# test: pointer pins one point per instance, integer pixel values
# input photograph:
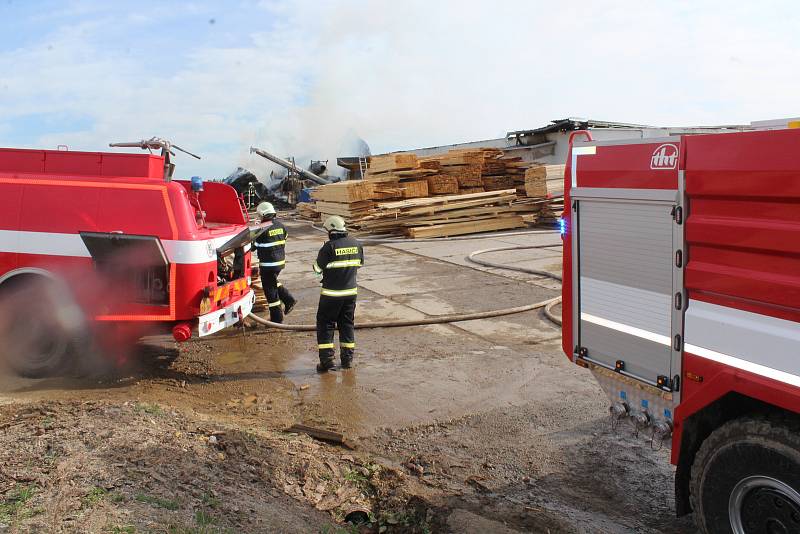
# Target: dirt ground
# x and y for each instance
(480, 426)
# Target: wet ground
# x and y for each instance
(485, 420)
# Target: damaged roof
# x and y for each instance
(575, 123)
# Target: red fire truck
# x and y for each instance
(682, 295)
(93, 241)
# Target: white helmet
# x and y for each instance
(334, 223)
(264, 209)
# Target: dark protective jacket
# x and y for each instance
(338, 261)
(271, 247)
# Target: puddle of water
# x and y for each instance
(230, 358)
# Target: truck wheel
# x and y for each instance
(36, 327)
(746, 478)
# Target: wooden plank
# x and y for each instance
(467, 175)
(357, 209)
(392, 162)
(433, 164)
(444, 230)
(307, 210)
(415, 202)
(453, 206)
(431, 221)
(386, 190)
(468, 190)
(392, 176)
(544, 181)
(321, 434)
(348, 191)
(442, 184)
(415, 189)
(481, 211)
(497, 183)
(415, 173)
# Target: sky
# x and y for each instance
(308, 78)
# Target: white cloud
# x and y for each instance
(304, 75)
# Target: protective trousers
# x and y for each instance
(333, 312)
(275, 294)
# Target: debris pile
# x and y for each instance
(460, 192)
(97, 466)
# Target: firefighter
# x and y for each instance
(270, 247)
(338, 262)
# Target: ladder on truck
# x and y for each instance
(363, 165)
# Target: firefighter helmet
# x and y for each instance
(264, 209)
(334, 223)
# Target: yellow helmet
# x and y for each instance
(334, 223)
(264, 209)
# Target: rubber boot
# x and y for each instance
(325, 361)
(288, 300)
(347, 359)
(325, 366)
(288, 305)
(276, 314)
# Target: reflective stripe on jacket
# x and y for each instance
(338, 261)
(270, 246)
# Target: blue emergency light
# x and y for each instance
(562, 225)
(197, 184)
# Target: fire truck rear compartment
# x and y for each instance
(626, 286)
(627, 304)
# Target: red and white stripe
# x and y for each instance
(54, 244)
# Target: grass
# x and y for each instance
(14, 505)
(348, 529)
(127, 529)
(156, 501)
(362, 480)
(202, 527)
(97, 494)
(150, 409)
(210, 501)
(400, 521)
(94, 496)
(203, 518)
(356, 477)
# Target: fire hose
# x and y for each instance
(547, 304)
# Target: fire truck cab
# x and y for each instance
(113, 236)
(682, 295)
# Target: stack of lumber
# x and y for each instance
(396, 176)
(501, 172)
(443, 184)
(308, 211)
(447, 215)
(460, 192)
(462, 169)
(390, 190)
(351, 199)
(498, 183)
(349, 191)
(545, 181)
(393, 162)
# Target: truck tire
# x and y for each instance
(746, 478)
(36, 329)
